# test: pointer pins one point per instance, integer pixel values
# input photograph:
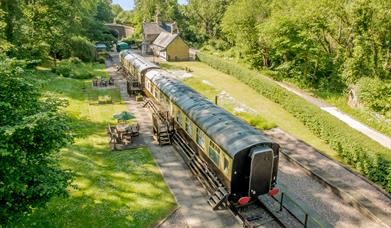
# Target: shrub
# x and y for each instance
(356, 149)
(105, 99)
(83, 48)
(75, 60)
(133, 41)
(256, 121)
(76, 69)
(375, 94)
(64, 68)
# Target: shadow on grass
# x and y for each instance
(114, 188)
(82, 127)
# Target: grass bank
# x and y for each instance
(338, 99)
(355, 149)
(112, 188)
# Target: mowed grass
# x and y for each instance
(112, 188)
(267, 109)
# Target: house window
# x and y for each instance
(214, 153)
(200, 138)
(188, 126)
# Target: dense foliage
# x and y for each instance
(323, 43)
(83, 49)
(377, 96)
(198, 22)
(32, 130)
(326, 45)
(368, 157)
(41, 28)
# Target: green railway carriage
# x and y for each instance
(244, 158)
(135, 65)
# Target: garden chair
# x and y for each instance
(111, 81)
(103, 82)
(135, 130)
(126, 139)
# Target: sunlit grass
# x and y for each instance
(361, 114)
(265, 108)
(112, 188)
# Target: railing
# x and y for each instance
(295, 206)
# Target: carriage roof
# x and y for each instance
(140, 63)
(226, 130)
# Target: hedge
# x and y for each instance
(356, 150)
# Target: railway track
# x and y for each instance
(340, 193)
(264, 212)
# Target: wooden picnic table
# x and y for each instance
(125, 129)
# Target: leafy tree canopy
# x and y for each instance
(32, 130)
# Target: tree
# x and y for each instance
(4, 44)
(239, 25)
(32, 131)
(207, 17)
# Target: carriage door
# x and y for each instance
(261, 170)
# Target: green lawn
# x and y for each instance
(267, 109)
(112, 188)
(337, 99)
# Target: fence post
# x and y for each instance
(282, 198)
(306, 220)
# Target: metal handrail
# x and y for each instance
(305, 216)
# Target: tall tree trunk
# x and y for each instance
(265, 56)
(55, 59)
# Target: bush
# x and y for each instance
(32, 132)
(133, 41)
(76, 69)
(75, 60)
(64, 68)
(83, 48)
(375, 94)
(256, 121)
(105, 99)
(356, 149)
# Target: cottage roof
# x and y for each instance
(154, 28)
(164, 39)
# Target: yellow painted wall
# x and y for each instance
(179, 49)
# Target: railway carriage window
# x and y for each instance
(148, 85)
(200, 138)
(179, 117)
(188, 126)
(214, 153)
(226, 165)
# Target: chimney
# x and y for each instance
(174, 28)
(158, 18)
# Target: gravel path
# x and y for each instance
(321, 199)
